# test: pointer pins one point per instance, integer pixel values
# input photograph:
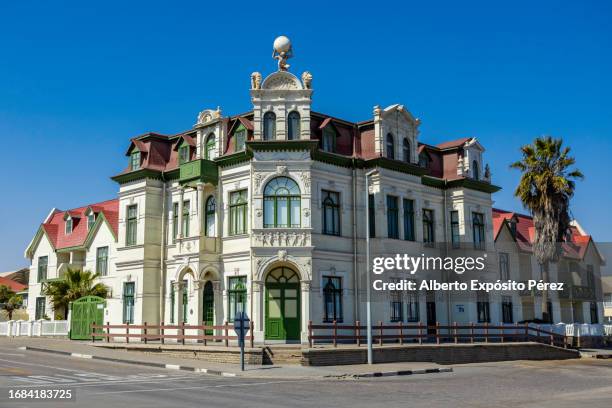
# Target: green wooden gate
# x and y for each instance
(209, 307)
(85, 311)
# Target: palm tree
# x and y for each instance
(545, 189)
(74, 285)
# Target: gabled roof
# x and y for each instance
(575, 247)
(53, 227)
(453, 143)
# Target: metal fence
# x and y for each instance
(35, 328)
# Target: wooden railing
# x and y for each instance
(401, 333)
(162, 332)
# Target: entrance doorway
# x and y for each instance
(282, 308)
(431, 316)
(209, 307)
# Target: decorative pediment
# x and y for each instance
(282, 80)
(208, 115)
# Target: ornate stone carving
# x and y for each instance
(208, 115)
(305, 180)
(282, 51)
(281, 239)
(281, 170)
(258, 212)
(282, 81)
(306, 212)
(258, 178)
(282, 255)
(307, 80)
(255, 80)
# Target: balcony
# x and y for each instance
(200, 170)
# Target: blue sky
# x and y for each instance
(77, 80)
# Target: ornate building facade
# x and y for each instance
(265, 212)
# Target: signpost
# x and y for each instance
(242, 324)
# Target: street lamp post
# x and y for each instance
(368, 283)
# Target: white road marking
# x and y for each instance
(12, 354)
(104, 383)
(203, 387)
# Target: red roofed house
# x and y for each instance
(265, 212)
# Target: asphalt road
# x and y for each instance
(97, 384)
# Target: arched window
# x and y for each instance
(293, 126)
(240, 139)
(475, 172)
(210, 216)
(209, 153)
(390, 147)
(282, 204)
(406, 151)
(269, 126)
(331, 212)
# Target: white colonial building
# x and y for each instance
(265, 212)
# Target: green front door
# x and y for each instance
(282, 305)
(209, 307)
(85, 311)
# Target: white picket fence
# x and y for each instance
(578, 329)
(35, 328)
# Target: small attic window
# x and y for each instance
(91, 219)
(423, 160)
(135, 160)
(240, 139)
(68, 225)
(475, 170)
(184, 153)
(329, 140)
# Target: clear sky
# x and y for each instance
(78, 80)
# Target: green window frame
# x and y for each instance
(41, 303)
(408, 206)
(184, 153)
(282, 204)
(209, 216)
(185, 294)
(128, 302)
(392, 217)
(91, 220)
(131, 225)
(209, 153)
(186, 218)
(331, 212)
(102, 261)
(135, 160)
(269, 126)
(454, 222)
(238, 212)
(175, 221)
(332, 299)
(478, 230)
(68, 225)
(293, 125)
(237, 295)
(43, 266)
(428, 227)
(240, 139)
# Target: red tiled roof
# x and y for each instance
(55, 227)
(574, 247)
(453, 143)
(13, 285)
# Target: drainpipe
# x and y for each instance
(162, 271)
(355, 270)
(368, 277)
(444, 218)
(251, 192)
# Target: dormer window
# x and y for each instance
(184, 153)
(91, 219)
(293, 126)
(209, 153)
(329, 140)
(390, 146)
(423, 160)
(240, 139)
(68, 225)
(135, 160)
(475, 170)
(269, 126)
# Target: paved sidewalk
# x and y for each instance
(76, 349)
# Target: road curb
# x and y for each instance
(404, 372)
(134, 362)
